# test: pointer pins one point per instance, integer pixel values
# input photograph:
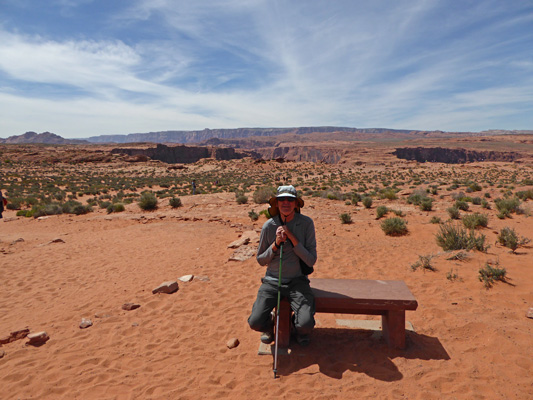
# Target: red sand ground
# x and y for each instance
(469, 342)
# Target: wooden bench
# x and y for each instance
(389, 299)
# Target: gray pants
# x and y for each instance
(300, 297)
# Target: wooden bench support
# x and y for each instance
(390, 299)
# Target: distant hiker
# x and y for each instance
(297, 234)
(193, 187)
(2, 201)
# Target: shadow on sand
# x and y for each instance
(336, 351)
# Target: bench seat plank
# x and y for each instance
(389, 299)
(354, 296)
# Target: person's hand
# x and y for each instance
(281, 235)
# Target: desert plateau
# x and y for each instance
(90, 230)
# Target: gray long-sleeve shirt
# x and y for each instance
(304, 229)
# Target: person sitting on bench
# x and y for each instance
(296, 232)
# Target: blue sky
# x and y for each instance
(80, 68)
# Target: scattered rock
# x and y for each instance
(58, 240)
(238, 243)
(38, 338)
(166, 287)
(130, 306)
(9, 219)
(232, 343)
(202, 278)
(186, 278)
(19, 240)
(85, 323)
(17, 335)
(43, 218)
(530, 312)
(101, 315)
(243, 253)
(2, 353)
(135, 324)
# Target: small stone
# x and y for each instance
(530, 312)
(135, 324)
(2, 353)
(19, 240)
(232, 343)
(243, 253)
(166, 287)
(202, 278)
(101, 315)
(38, 338)
(186, 278)
(58, 240)
(130, 306)
(238, 243)
(85, 323)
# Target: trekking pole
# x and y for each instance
(277, 314)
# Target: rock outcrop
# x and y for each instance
(452, 156)
(184, 154)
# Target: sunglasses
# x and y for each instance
(289, 199)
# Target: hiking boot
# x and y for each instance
(303, 340)
(267, 337)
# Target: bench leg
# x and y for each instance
(284, 324)
(393, 327)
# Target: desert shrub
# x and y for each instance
(475, 220)
(489, 274)
(426, 204)
(367, 201)
(476, 200)
(510, 239)
(399, 213)
(435, 220)
(175, 202)
(416, 197)
(451, 275)
(388, 193)
(454, 237)
(14, 203)
(24, 213)
(461, 205)
(506, 206)
(394, 226)
(345, 218)
(485, 204)
(265, 213)
(381, 211)
(115, 207)
(424, 262)
(104, 204)
(356, 197)
(48, 209)
(263, 194)
(148, 201)
(241, 199)
(453, 212)
(474, 187)
(525, 195)
(253, 215)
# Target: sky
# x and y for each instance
(81, 68)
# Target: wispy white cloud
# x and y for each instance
(163, 64)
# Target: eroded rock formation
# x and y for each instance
(452, 156)
(184, 154)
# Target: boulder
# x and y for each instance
(166, 287)
(85, 323)
(243, 253)
(38, 338)
(130, 306)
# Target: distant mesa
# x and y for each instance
(452, 156)
(44, 138)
